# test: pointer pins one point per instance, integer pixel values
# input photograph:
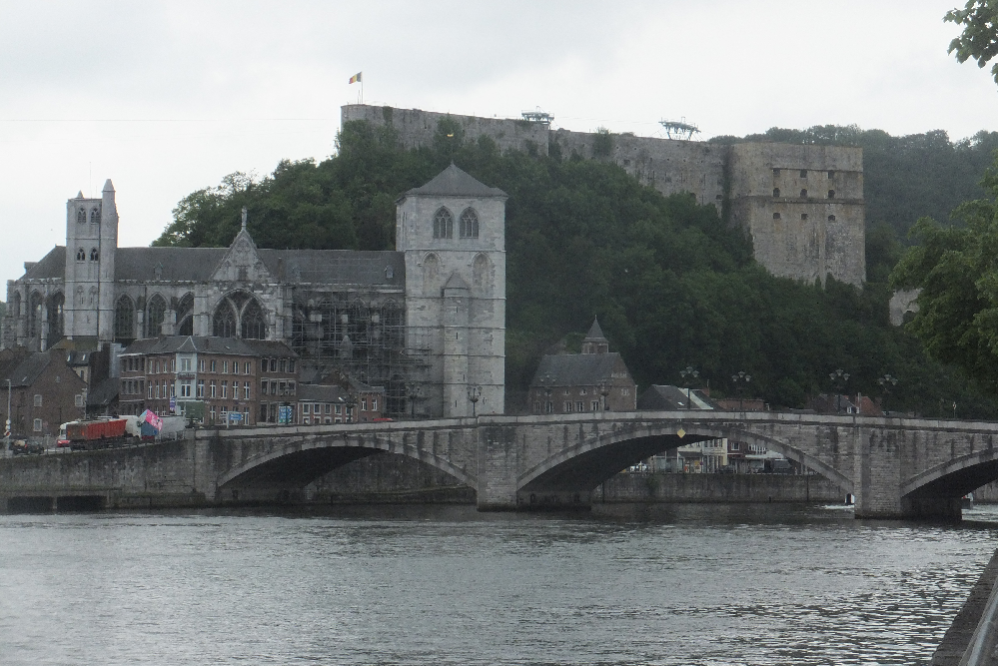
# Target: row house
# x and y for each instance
(41, 390)
(349, 401)
(213, 380)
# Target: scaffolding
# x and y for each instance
(679, 129)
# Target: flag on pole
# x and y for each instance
(355, 79)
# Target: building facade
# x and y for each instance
(42, 391)
(430, 313)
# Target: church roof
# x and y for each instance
(173, 344)
(577, 369)
(595, 334)
(453, 182)
(52, 265)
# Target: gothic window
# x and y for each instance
(481, 281)
(443, 224)
(185, 315)
(81, 216)
(35, 314)
(776, 193)
(55, 307)
(468, 224)
(81, 254)
(124, 319)
(224, 320)
(156, 312)
(94, 254)
(95, 217)
(253, 324)
(17, 304)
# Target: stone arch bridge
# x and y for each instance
(895, 467)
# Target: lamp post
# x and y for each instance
(6, 446)
(839, 379)
(352, 399)
(603, 388)
(887, 382)
(547, 383)
(739, 379)
(688, 376)
(413, 392)
(475, 392)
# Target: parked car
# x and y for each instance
(21, 447)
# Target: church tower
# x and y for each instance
(451, 233)
(91, 241)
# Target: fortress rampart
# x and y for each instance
(803, 206)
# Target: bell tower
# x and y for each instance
(452, 235)
(91, 241)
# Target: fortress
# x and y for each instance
(803, 206)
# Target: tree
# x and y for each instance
(956, 270)
(979, 33)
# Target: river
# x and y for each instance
(665, 584)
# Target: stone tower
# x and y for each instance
(451, 233)
(91, 241)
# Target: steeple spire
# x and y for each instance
(244, 222)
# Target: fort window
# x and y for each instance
(805, 216)
(829, 174)
(776, 193)
(777, 172)
(831, 218)
(443, 224)
(803, 194)
(803, 173)
(829, 195)
(468, 224)
(94, 254)
(776, 216)
(81, 255)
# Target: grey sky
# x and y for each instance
(167, 98)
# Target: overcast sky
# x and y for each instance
(167, 98)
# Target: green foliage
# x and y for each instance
(979, 33)
(671, 283)
(604, 143)
(956, 270)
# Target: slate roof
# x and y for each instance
(453, 182)
(595, 334)
(577, 369)
(104, 393)
(173, 344)
(197, 264)
(27, 370)
(668, 397)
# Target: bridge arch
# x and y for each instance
(304, 459)
(955, 477)
(599, 457)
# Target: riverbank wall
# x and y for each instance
(972, 637)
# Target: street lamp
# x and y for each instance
(413, 392)
(839, 379)
(352, 399)
(604, 394)
(887, 382)
(547, 383)
(687, 373)
(739, 379)
(475, 392)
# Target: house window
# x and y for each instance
(374, 404)
(201, 388)
(38, 400)
(247, 367)
(201, 365)
(548, 407)
(185, 365)
(595, 405)
(225, 389)
(246, 390)
(263, 365)
(567, 407)
(274, 365)
(78, 399)
(326, 408)
(225, 367)
(263, 387)
(37, 426)
(443, 224)
(291, 388)
(236, 367)
(364, 404)
(282, 388)
(212, 365)
(185, 389)
(211, 388)
(306, 409)
(157, 390)
(579, 405)
(173, 365)
(291, 365)
(336, 409)
(149, 392)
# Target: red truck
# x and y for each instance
(101, 434)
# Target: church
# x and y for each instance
(425, 322)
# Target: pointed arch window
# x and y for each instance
(81, 254)
(253, 324)
(444, 224)
(35, 305)
(224, 320)
(94, 255)
(95, 217)
(156, 312)
(468, 224)
(124, 319)
(185, 315)
(81, 216)
(55, 308)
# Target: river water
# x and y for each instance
(681, 584)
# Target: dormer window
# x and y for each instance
(93, 254)
(444, 224)
(468, 224)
